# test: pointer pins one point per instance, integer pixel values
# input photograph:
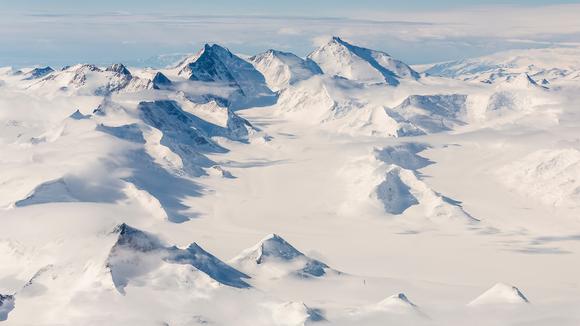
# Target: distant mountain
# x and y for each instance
(432, 113)
(88, 79)
(160, 81)
(160, 61)
(549, 63)
(282, 69)
(343, 59)
(38, 73)
(548, 175)
(522, 81)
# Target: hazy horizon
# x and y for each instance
(64, 32)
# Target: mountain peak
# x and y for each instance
(199, 258)
(275, 246)
(77, 115)
(500, 293)
(282, 69)
(215, 49)
(336, 39)
(135, 239)
(343, 59)
(274, 249)
(119, 68)
(399, 304)
(245, 84)
(400, 298)
(134, 249)
(161, 81)
(38, 73)
(273, 237)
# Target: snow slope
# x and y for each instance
(282, 69)
(500, 293)
(128, 195)
(343, 59)
(215, 64)
(548, 175)
(279, 258)
(551, 63)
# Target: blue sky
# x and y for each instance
(235, 7)
(60, 32)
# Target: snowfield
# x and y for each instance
(344, 188)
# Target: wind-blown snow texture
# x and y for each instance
(127, 196)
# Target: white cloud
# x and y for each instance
(289, 31)
(415, 36)
(320, 40)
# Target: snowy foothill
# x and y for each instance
(344, 187)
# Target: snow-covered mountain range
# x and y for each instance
(381, 195)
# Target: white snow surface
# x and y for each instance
(343, 59)
(282, 69)
(127, 197)
(550, 63)
(500, 293)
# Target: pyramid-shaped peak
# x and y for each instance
(124, 228)
(38, 72)
(119, 68)
(217, 64)
(276, 52)
(274, 249)
(208, 52)
(161, 79)
(340, 58)
(350, 46)
(77, 115)
(337, 39)
(194, 247)
(211, 48)
(275, 246)
(398, 304)
(273, 237)
(284, 68)
(399, 298)
(133, 238)
(501, 293)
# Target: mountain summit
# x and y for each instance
(343, 59)
(282, 69)
(499, 294)
(217, 64)
(275, 252)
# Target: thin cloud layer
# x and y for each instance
(417, 37)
